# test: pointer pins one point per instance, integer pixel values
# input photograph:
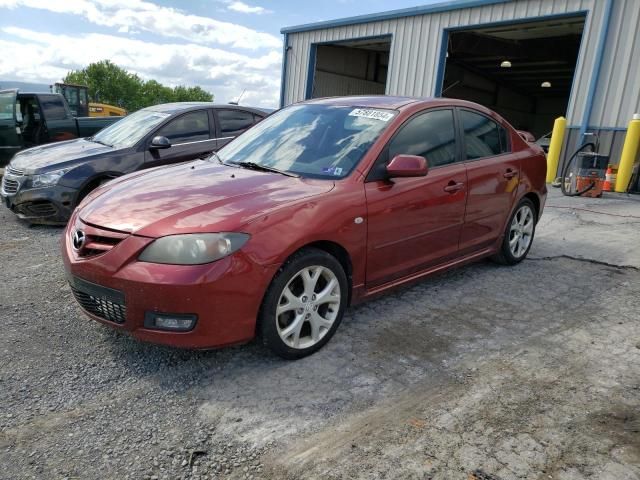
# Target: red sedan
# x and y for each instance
(321, 205)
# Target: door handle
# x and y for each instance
(453, 187)
(510, 173)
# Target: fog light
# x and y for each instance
(175, 322)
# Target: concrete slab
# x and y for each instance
(603, 229)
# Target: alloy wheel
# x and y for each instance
(521, 231)
(308, 306)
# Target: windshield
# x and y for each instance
(317, 141)
(128, 131)
(7, 100)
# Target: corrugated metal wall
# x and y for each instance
(416, 47)
(330, 84)
(617, 95)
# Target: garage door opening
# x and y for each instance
(523, 71)
(355, 67)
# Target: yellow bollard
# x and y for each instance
(553, 157)
(629, 154)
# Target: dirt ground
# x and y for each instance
(486, 372)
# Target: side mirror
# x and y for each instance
(407, 166)
(159, 143)
(526, 136)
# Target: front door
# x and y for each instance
(415, 223)
(493, 176)
(191, 137)
(10, 139)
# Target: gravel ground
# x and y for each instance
(530, 372)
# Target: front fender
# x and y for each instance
(277, 235)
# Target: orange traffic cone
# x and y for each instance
(609, 180)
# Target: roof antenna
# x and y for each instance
(238, 100)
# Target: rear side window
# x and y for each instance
(482, 136)
(53, 108)
(233, 122)
(190, 127)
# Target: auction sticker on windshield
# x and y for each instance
(369, 113)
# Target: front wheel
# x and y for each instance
(304, 304)
(518, 235)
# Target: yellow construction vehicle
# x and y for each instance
(104, 110)
(77, 97)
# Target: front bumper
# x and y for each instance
(39, 205)
(225, 295)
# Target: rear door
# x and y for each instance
(10, 139)
(191, 137)
(415, 223)
(233, 122)
(493, 175)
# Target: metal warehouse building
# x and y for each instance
(529, 60)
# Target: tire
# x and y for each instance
(518, 234)
(304, 304)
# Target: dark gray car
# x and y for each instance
(45, 183)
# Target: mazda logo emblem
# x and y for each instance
(78, 239)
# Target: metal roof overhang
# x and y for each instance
(392, 14)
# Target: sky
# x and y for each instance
(224, 46)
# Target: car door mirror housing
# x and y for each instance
(159, 143)
(407, 166)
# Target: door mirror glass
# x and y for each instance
(159, 143)
(407, 166)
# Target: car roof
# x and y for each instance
(177, 107)
(394, 102)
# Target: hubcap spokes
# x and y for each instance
(308, 306)
(521, 231)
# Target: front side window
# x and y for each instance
(7, 104)
(311, 140)
(430, 135)
(234, 121)
(482, 136)
(190, 127)
(53, 108)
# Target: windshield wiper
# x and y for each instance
(263, 168)
(217, 157)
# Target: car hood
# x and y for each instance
(60, 155)
(198, 196)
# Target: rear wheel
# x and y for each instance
(304, 304)
(519, 234)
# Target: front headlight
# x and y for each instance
(193, 248)
(47, 179)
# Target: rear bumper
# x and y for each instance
(52, 205)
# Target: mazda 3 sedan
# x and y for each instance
(321, 205)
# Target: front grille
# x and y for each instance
(10, 186)
(103, 302)
(39, 209)
(14, 171)
(97, 239)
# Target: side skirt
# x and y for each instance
(362, 294)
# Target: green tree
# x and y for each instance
(109, 83)
(191, 94)
(153, 93)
